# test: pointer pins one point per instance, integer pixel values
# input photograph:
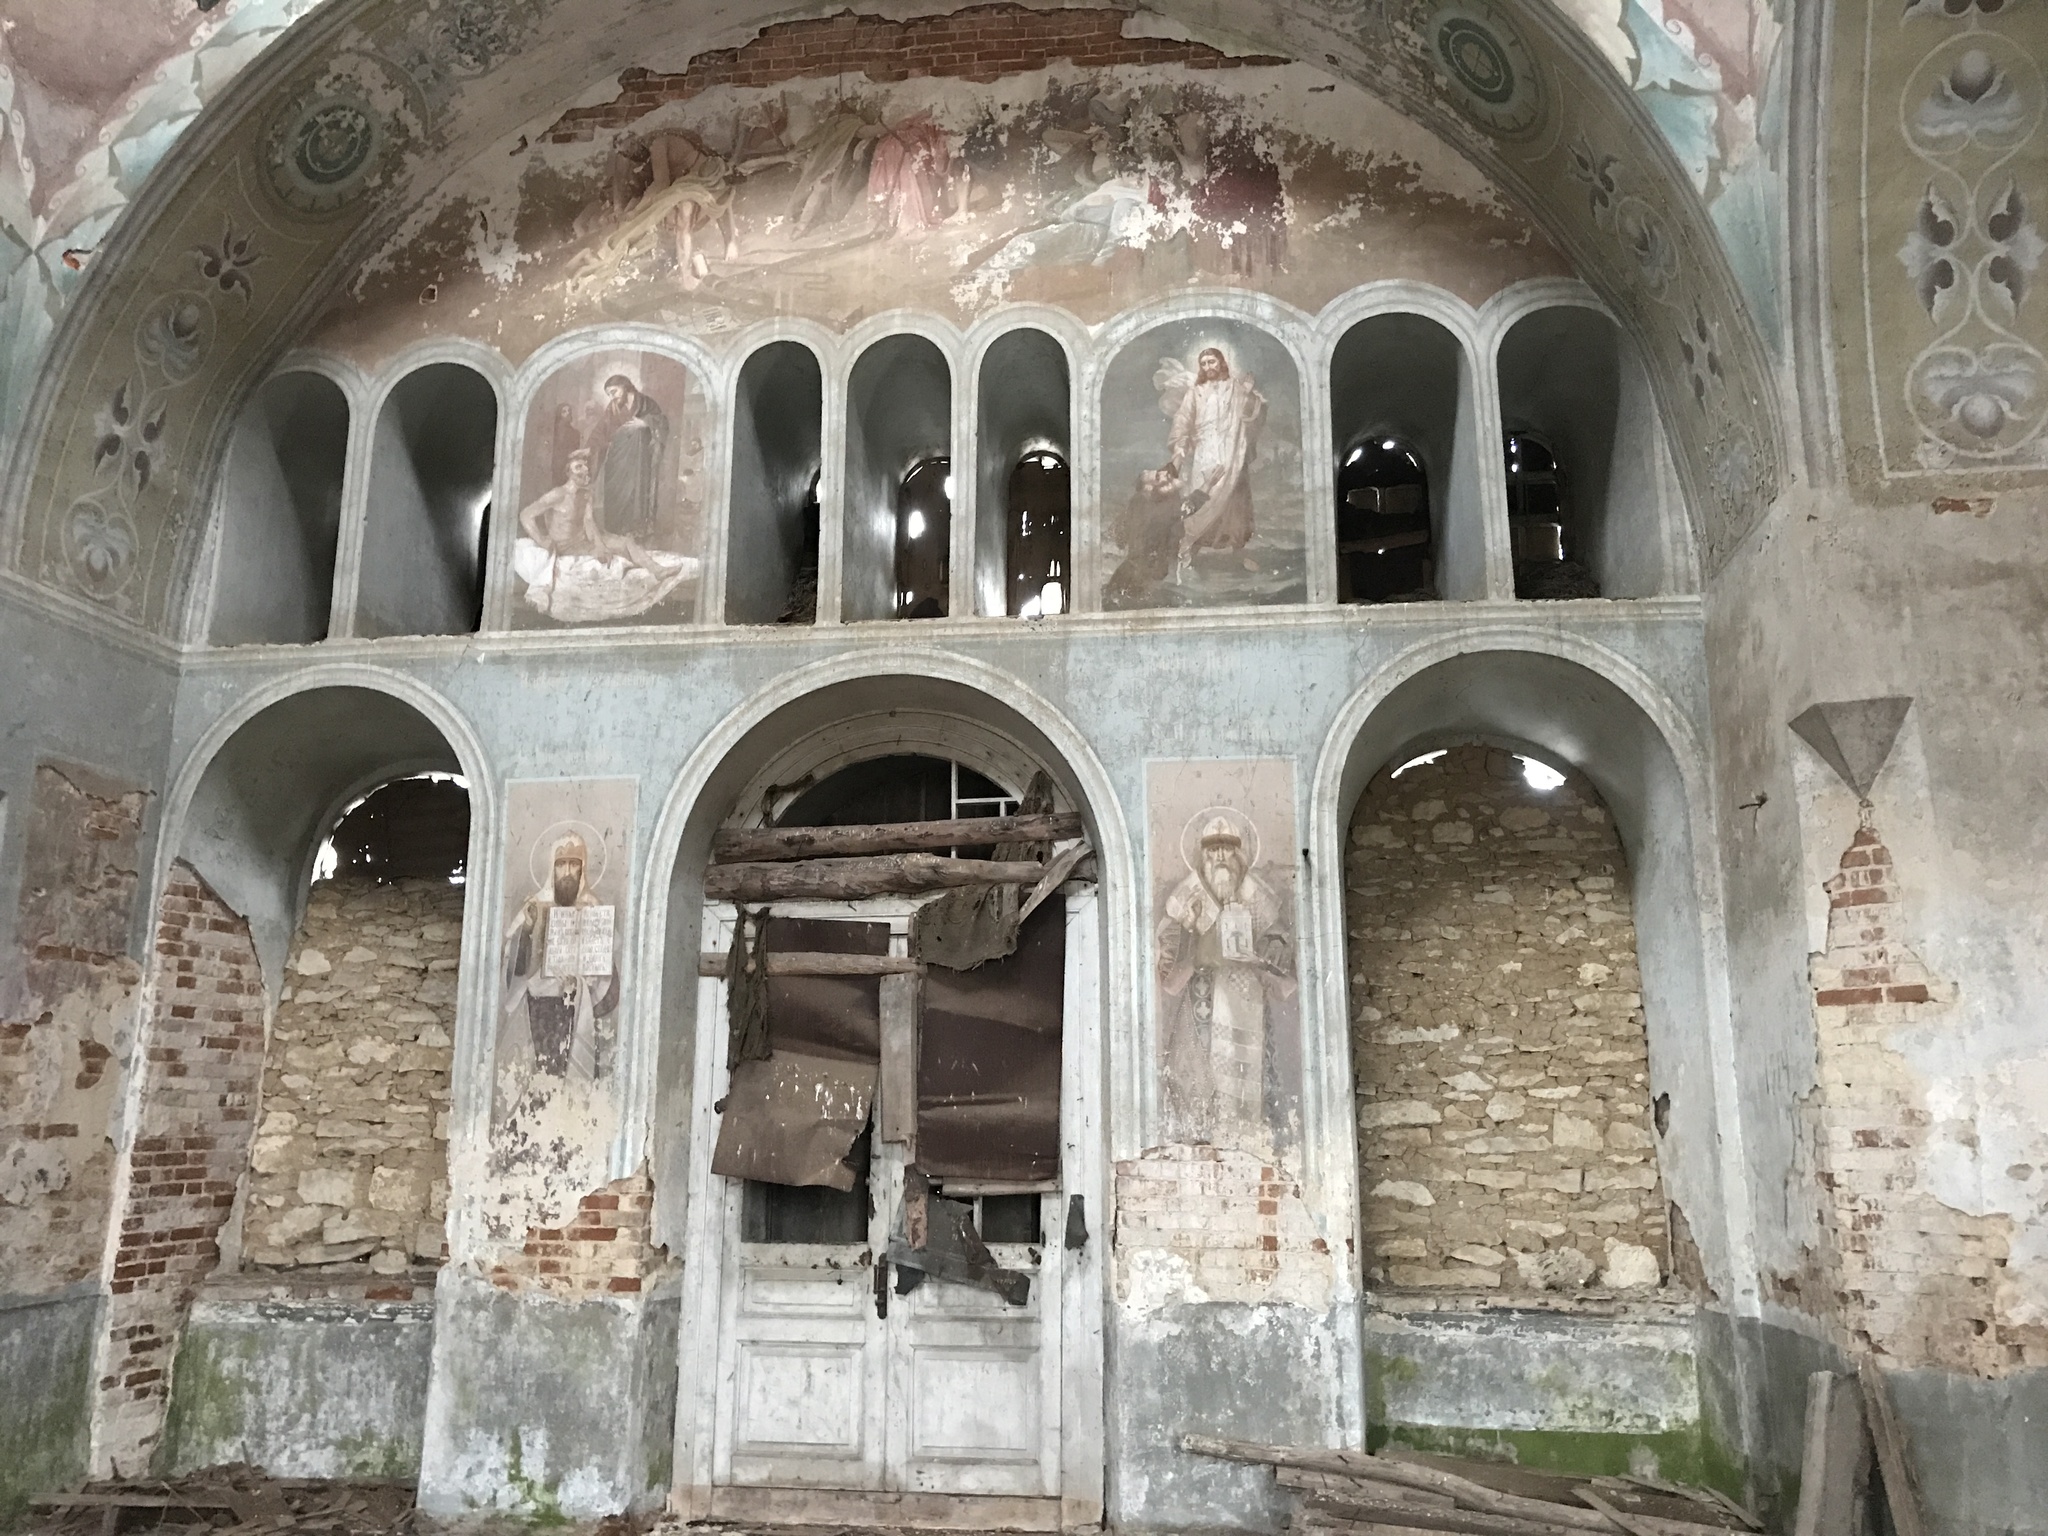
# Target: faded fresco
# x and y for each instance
(566, 851)
(1227, 986)
(1092, 190)
(1202, 470)
(611, 494)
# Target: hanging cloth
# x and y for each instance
(970, 925)
(746, 992)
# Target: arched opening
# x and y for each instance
(899, 430)
(332, 829)
(1531, 1021)
(1386, 547)
(893, 1103)
(1024, 496)
(1039, 554)
(1591, 505)
(431, 471)
(772, 539)
(280, 513)
(1408, 517)
(924, 540)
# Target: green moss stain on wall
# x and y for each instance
(1687, 1455)
(45, 1406)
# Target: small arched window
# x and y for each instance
(924, 535)
(1040, 540)
(1547, 561)
(801, 605)
(1386, 549)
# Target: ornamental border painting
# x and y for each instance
(1202, 470)
(1225, 975)
(609, 527)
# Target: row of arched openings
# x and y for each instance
(1406, 472)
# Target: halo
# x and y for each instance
(541, 858)
(1191, 835)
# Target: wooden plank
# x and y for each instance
(898, 874)
(1425, 1517)
(1469, 1494)
(133, 1501)
(1901, 1492)
(807, 963)
(1339, 1485)
(1628, 1523)
(1709, 1498)
(1834, 1472)
(767, 845)
(1056, 875)
(896, 1113)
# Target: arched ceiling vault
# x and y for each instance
(231, 248)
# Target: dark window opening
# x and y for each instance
(410, 829)
(1547, 563)
(802, 605)
(1010, 1219)
(812, 1213)
(924, 532)
(1386, 551)
(1040, 538)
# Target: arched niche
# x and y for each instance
(1571, 380)
(1405, 378)
(772, 532)
(1202, 504)
(431, 467)
(277, 785)
(1024, 406)
(612, 491)
(1570, 715)
(280, 512)
(899, 415)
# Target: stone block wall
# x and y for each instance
(1506, 1127)
(203, 1060)
(350, 1161)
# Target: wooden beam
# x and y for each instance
(1834, 1476)
(899, 874)
(768, 845)
(1056, 875)
(1901, 1495)
(805, 963)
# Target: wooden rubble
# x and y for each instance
(230, 1501)
(1400, 1493)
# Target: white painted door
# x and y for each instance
(946, 1404)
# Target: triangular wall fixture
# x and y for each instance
(1854, 737)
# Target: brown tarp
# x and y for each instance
(794, 1117)
(989, 1062)
(936, 1236)
(965, 928)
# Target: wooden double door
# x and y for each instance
(825, 1375)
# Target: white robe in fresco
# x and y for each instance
(1215, 437)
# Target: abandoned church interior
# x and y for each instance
(977, 764)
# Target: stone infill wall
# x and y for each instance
(351, 1158)
(1506, 1128)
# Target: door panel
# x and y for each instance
(806, 1398)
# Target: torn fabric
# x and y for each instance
(746, 992)
(951, 1249)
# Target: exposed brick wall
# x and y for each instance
(1913, 1278)
(1505, 1120)
(203, 1057)
(350, 1162)
(60, 1069)
(1238, 1225)
(980, 43)
(604, 1250)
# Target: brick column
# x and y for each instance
(203, 1063)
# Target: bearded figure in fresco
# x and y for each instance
(1216, 417)
(629, 442)
(578, 573)
(1223, 948)
(561, 970)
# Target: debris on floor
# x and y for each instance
(234, 1499)
(1407, 1493)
